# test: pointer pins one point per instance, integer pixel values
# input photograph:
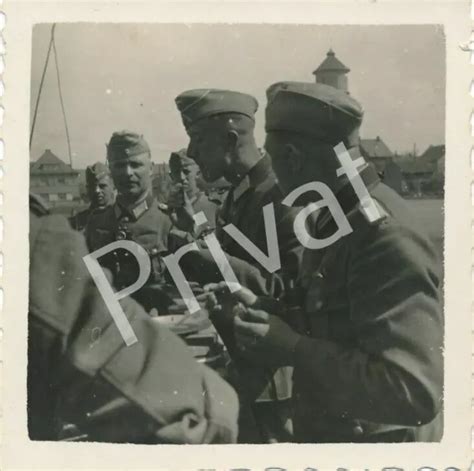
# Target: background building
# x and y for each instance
(424, 174)
(407, 174)
(55, 181)
(378, 153)
(332, 72)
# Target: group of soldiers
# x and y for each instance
(341, 344)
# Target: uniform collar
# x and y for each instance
(347, 198)
(136, 210)
(254, 177)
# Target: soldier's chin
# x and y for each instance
(130, 190)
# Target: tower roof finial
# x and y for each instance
(332, 63)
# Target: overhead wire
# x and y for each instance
(35, 114)
(58, 75)
(52, 47)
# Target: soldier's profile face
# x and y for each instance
(101, 192)
(131, 174)
(207, 148)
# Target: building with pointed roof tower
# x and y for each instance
(332, 72)
(55, 181)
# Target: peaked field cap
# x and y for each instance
(206, 102)
(322, 111)
(125, 144)
(181, 156)
(96, 171)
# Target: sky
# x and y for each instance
(126, 76)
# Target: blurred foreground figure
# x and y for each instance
(84, 383)
(100, 192)
(367, 345)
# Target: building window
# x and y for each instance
(61, 180)
(69, 196)
(62, 196)
(53, 197)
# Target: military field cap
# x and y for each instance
(322, 111)
(125, 144)
(204, 103)
(95, 172)
(181, 157)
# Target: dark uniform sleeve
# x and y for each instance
(151, 391)
(201, 266)
(394, 375)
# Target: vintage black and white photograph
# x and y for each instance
(245, 231)
(231, 245)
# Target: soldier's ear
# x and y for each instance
(232, 139)
(294, 158)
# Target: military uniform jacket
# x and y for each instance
(79, 221)
(80, 371)
(200, 203)
(243, 207)
(370, 366)
(209, 208)
(148, 225)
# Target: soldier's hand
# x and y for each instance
(176, 196)
(264, 338)
(225, 294)
(182, 209)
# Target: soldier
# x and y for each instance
(186, 195)
(136, 216)
(367, 355)
(84, 383)
(220, 125)
(100, 191)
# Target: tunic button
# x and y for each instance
(121, 235)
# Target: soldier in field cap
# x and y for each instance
(220, 125)
(368, 364)
(100, 191)
(136, 216)
(186, 198)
